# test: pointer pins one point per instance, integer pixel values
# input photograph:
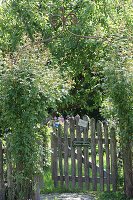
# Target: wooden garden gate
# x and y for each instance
(83, 152)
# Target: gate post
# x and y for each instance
(93, 150)
(79, 154)
(100, 150)
(60, 155)
(113, 159)
(9, 173)
(66, 166)
(86, 156)
(107, 155)
(73, 164)
(2, 187)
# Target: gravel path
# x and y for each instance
(67, 196)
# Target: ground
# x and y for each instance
(67, 196)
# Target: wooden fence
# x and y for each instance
(83, 151)
(7, 184)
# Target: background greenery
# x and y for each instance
(68, 75)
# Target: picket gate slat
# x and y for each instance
(79, 154)
(107, 155)
(73, 164)
(86, 156)
(93, 153)
(100, 150)
(60, 156)
(55, 163)
(66, 165)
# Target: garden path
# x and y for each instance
(67, 196)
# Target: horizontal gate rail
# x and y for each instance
(83, 179)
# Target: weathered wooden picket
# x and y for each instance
(91, 148)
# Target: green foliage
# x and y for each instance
(119, 87)
(108, 111)
(22, 97)
(23, 106)
(69, 52)
(112, 195)
(95, 18)
(119, 81)
(85, 94)
(28, 94)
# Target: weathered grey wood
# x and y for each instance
(60, 155)
(73, 165)
(107, 155)
(36, 193)
(113, 159)
(66, 165)
(2, 187)
(100, 150)
(86, 156)
(38, 178)
(41, 183)
(9, 174)
(93, 152)
(55, 163)
(79, 154)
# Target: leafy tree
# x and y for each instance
(67, 52)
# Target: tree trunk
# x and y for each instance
(128, 170)
(2, 187)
